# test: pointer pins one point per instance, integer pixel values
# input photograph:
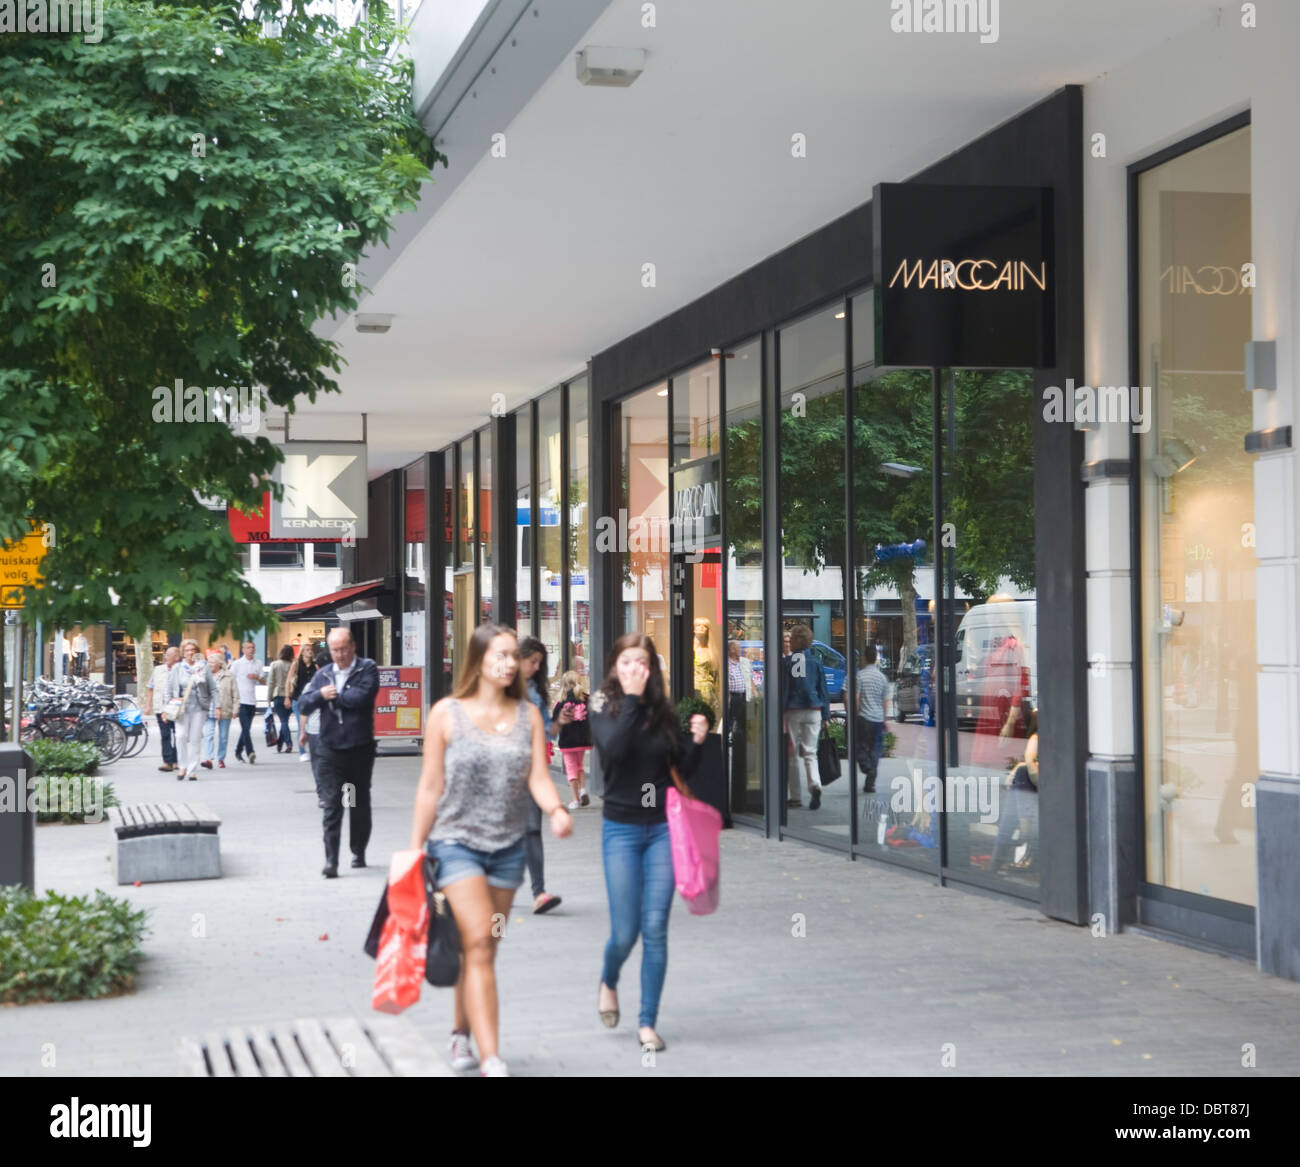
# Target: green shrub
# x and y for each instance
(65, 798)
(63, 948)
(54, 757)
(689, 706)
(888, 744)
(838, 732)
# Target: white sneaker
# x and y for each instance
(574, 805)
(462, 1057)
(304, 757)
(494, 1067)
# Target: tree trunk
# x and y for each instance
(907, 597)
(143, 664)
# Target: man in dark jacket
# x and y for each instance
(345, 695)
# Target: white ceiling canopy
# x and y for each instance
(754, 123)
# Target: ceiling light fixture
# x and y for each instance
(374, 322)
(599, 65)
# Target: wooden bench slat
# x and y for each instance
(204, 815)
(170, 815)
(272, 1065)
(348, 1037)
(242, 1055)
(184, 815)
(320, 1055)
(403, 1047)
(217, 1055)
(192, 1063)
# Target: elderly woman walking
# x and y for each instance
(190, 682)
(221, 711)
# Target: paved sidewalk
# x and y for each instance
(891, 971)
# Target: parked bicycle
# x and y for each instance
(82, 712)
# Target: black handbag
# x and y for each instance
(828, 758)
(442, 958)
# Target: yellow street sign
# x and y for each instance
(11, 597)
(20, 562)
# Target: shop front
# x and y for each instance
(872, 455)
(844, 447)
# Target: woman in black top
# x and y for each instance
(300, 673)
(635, 731)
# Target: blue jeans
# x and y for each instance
(639, 882)
(282, 711)
(220, 730)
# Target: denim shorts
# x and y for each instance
(456, 861)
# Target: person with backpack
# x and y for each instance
(635, 730)
(484, 766)
(570, 714)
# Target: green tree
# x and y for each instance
(182, 200)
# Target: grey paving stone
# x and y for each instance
(891, 968)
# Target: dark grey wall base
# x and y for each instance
(1113, 803)
(1277, 823)
(1204, 929)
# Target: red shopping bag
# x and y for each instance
(404, 941)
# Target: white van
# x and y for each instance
(991, 665)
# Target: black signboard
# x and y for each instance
(697, 508)
(965, 276)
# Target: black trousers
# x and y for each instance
(344, 778)
(533, 853)
(167, 732)
(736, 712)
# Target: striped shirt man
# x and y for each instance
(871, 693)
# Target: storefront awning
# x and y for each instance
(325, 605)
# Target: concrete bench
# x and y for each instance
(161, 841)
(342, 1047)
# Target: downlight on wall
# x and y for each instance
(373, 322)
(609, 66)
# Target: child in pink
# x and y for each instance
(575, 734)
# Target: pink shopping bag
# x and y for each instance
(693, 829)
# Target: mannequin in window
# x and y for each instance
(706, 668)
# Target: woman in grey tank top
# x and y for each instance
(484, 756)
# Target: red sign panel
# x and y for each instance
(256, 527)
(399, 706)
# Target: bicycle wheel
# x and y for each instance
(106, 736)
(136, 742)
(125, 701)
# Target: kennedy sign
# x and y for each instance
(324, 491)
(965, 276)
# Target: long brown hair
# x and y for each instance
(472, 666)
(659, 712)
